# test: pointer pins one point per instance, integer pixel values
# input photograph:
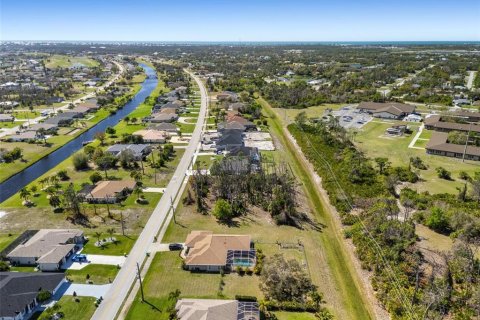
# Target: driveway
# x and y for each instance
(95, 259)
(82, 290)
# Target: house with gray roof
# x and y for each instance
(139, 151)
(211, 309)
(19, 292)
(48, 249)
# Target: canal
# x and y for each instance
(11, 186)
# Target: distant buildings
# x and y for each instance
(387, 110)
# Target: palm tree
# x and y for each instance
(138, 191)
(54, 201)
(111, 231)
(98, 235)
(174, 295)
(41, 134)
(25, 194)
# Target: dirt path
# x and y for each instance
(362, 290)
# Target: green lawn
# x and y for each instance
(282, 315)
(6, 239)
(185, 128)
(372, 141)
(82, 310)
(23, 269)
(288, 115)
(99, 274)
(61, 61)
(123, 245)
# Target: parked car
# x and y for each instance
(175, 246)
(79, 258)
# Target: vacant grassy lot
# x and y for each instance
(82, 310)
(371, 140)
(61, 61)
(98, 273)
(282, 315)
(288, 115)
(121, 246)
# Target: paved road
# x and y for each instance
(471, 77)
(127, 275)
(6, 132)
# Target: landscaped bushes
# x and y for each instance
(352, 171)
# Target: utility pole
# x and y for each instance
(140, 281)
(122, 223)
(173, 209)
(466, 142)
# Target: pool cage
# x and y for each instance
(241, 258)
(248, 311)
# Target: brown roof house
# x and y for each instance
(210, 309)
(439, 145)
(110, 191)
(206, 251)
(387, 110)
(437, 123)
(48, 249)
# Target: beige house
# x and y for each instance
(210, 309)
(48, 249)
(110, 191)
(152, 136)
(206, 251)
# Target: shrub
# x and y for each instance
(80, 161)
(438, 220)
(4, 266)
(62, 175)
(44, 295)
(95, 177)
(223, 210)
(464, 176)
(443, 173)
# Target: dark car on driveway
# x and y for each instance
(175, 246)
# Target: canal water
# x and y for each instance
(11, 186)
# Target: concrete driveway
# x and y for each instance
(95, 259)
(82, 290)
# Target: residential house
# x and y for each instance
(237, 106)
(110, 191)
(152, 136)
(162, 117)
(139, 151)
(206, 251)
(229, 139)
(6, 117)
(61, 120)
(168, 127)
(210, 309)
(23, 136)
(19, 292)
(49, 128)
(8, 104)
(227, 96)
(387, 110)
(48, 249)
(439, 145)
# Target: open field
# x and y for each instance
(371, 140)
(97, 273)
(340, 283)
(61, 61)
(288, 115)
(82, 310)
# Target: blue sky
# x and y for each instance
(246, 20)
